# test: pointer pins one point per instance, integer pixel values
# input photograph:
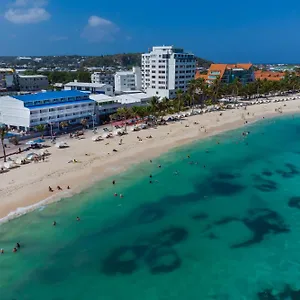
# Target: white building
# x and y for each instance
(107, 105)
(94, 88)
(6, 78)
(103, 77)
(47, 108)
(128, 80)
(32, 82)
(166, 69)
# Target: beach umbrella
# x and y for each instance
(39, 141)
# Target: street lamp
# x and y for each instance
(51, 130)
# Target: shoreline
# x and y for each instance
(96, 167)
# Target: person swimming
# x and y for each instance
(150, 176)
(77, 219)
(159, 166)
(121, 196)
(113, 182)
(54, 223)
(18, 245)
(115, 194)
(2, 251)
(15, 250)
(150, 181)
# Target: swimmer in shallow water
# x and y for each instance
(77, 219)
(15, 250)
(2, 251)
(18, 245)
(113, 182)
(54, 223)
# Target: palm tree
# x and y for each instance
(192, 87)
(84, 123)
(64, 124)
(3, 132)
(40, 127)
(215, 89)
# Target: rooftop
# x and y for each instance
(85, 84)
(49, 95)
(60, 104)
(32, 76)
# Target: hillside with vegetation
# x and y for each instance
(125, 60)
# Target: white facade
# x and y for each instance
(94, 88)
(46, 108)
(32, 82)
(103, 77)
(128, 80)
(166, 69)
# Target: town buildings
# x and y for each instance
(48, 108)
(103, 77)
(166, 69)
(31, 82)
(128, 80)
(7, 80)
(94, 88)
(227, 73)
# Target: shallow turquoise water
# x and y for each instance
(226, 227)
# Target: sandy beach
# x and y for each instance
(25, 188)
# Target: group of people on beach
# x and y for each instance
(58, 188)
(15, 249)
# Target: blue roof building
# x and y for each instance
(30, 110)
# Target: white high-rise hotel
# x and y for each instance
(166, 69)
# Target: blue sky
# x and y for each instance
(223, 31)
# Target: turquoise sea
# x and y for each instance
(225, 226)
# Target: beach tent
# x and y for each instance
(44, 152)
(97, 138)
(31, 156)
(39, 141)
(10, 165)
(61, 145)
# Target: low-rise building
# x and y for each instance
(32, 82)
(103, 78)
(227, 73)
(7, 81)
(49, 108)
(269, 75)
(94, 88)
(128, 80)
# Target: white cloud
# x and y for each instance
(27, 12)
(99, 29)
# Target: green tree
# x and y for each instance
(84, 123)
(40, 128)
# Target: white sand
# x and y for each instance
(23, 189)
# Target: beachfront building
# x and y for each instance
(128, 80)
(31, 83)
(166, 69)
(103, 77)
(107, 105)
(269, 75)
(227, 73)
(49, 108)
(94, 88)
